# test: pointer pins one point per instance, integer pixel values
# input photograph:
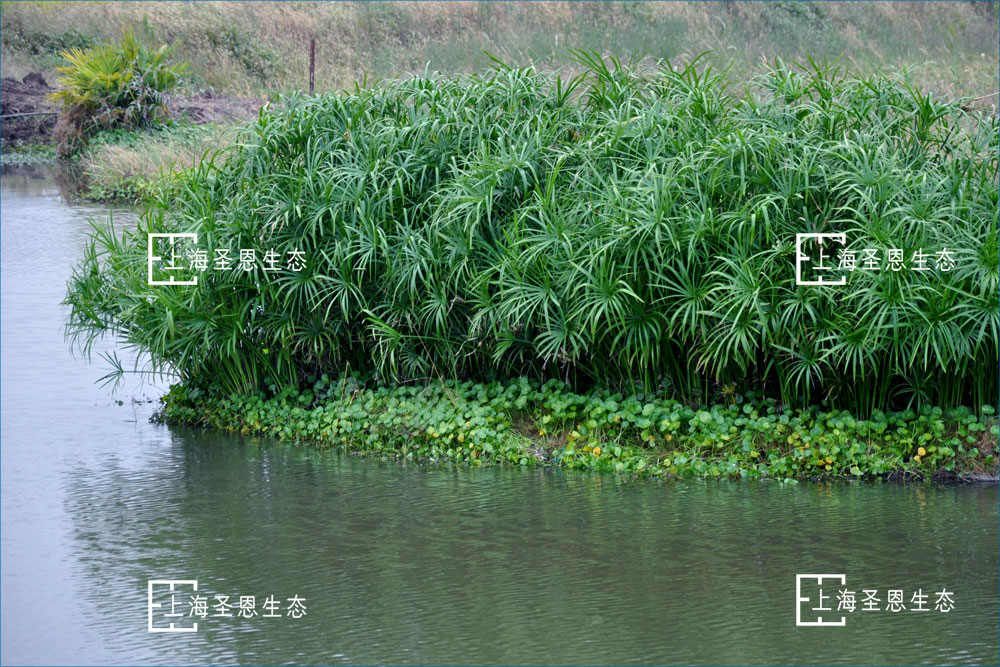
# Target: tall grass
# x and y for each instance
(124, 165)
(627, 227)
(259, 48)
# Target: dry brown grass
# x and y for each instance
(144, 158)
(258, 48)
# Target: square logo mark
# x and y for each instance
(817, 261)
(820, 598)
(163, 594)
(165, 251)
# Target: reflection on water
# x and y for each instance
(400, 564)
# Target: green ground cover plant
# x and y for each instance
(628, 228)
(17, 154)
(524, 423)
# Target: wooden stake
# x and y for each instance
(312, 64)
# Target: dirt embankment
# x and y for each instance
(28, 115)
(207, 107)
(26, 110)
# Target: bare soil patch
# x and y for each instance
(27, 96)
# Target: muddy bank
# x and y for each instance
(207, 107)
(20, 98)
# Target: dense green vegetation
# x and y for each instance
(631, 230)
(524, 423)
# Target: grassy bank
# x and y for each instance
(132, 166)
(260, 48)
(524, 423)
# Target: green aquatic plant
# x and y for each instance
(523, 422)
(630, 228)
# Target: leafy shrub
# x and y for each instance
(118, 84)
(636, 229)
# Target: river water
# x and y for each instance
(400, 564)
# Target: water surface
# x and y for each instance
(399, 564)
